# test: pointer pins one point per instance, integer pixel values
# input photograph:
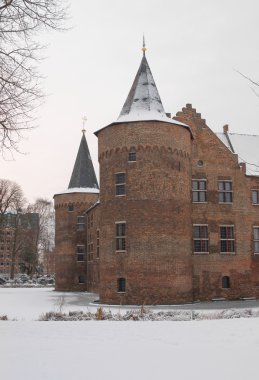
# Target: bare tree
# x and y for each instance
(253, 82)
(45, 239)
(11, 203)
(20, 92)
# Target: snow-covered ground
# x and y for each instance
(33, 350)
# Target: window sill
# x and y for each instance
(120, 195)
(201, 253)
(256, 253)
(199, 202)
(121, 292)
(225, 203)
(255, 204)
(120, 251)
(228, 253)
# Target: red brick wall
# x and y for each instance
(219, 164)
(67, 268)
(156, 208)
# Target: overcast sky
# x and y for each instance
(193, 48)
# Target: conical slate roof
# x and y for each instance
(143, 102)
(83, 175)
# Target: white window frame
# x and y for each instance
(230, 239)
(198, 191)
(225, 191)
(200, 238)
(255, 240)
(120, 237)
(117, 184)
(257, 191)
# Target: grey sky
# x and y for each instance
(192, 49)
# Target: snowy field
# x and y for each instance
(33, 350)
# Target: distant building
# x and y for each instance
(177, 215)
(18, 242)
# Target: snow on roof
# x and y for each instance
(79, 190)
(246, 147)
(143, 102)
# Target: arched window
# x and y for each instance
(121, 283)
(225, 282)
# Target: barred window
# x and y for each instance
(199, 190)
(225, 191)
(200, 239)
(255, 197)
(80, 252)
(121, 284)
(256, 239)
(80, 223)
(120, 236)
(227, 239)
(132, 156)
(120, 184)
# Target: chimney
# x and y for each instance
(225, 129)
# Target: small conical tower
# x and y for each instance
(70, 224)
(145, 208)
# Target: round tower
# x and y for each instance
(70, 223)
(145, 244)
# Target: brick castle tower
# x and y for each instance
(70, 231)
(145, 212)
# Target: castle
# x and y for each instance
(176, 218)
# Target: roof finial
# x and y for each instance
(144, 45)
(84, 118)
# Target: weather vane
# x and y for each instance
(84, 118)
(144, 45)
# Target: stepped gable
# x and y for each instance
(190, 116)
(83, 175)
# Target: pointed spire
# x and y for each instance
(83, 175)
(144, 46)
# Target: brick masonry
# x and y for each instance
(159, 263)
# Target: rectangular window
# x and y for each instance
(227, 239)
(256, 239)
(80, 223)
(121, 284)
(80, 252)
(132, 156)
(255, 197)
(120, 236)
(120, 184)
(225, 191)
(200, 239)
(199, 190)
(97, 243)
